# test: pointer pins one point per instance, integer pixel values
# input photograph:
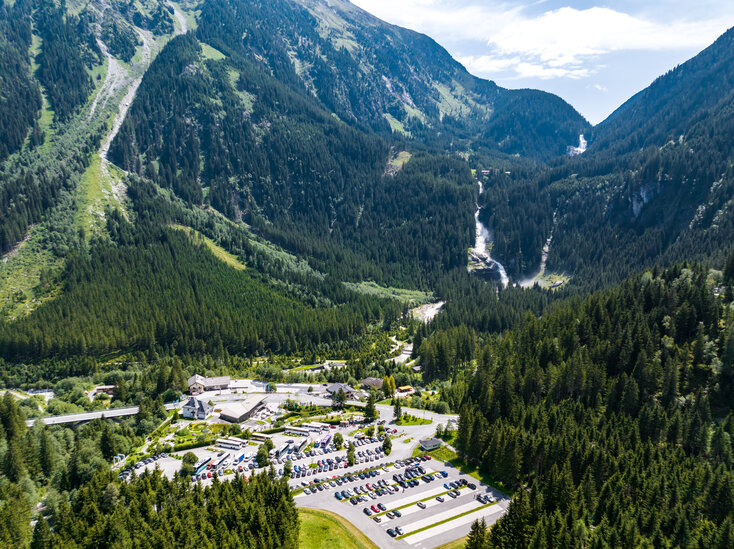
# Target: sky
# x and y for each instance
(594, 55)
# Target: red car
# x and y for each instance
(427, 456)
(375, 509)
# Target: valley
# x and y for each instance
(277, 273)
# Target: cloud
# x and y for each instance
(538, 41)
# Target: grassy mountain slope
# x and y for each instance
(388, 78)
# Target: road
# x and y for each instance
(89, 416)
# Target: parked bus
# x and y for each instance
(202, 465)
(283, 451)
(325, 441)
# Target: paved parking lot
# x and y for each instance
(429, 525)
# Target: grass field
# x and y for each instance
(219, 252)
(211, 53)
(20, 276)
(411, 297)
(326, 530)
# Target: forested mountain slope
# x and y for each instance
(615, 411)
(261, 153)
(657, 186)
(385, 77)
(666, 111)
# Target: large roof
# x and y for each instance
(209, 381)
(240, 408)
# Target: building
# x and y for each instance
(196, 409)
(336, 387)
(372, 383)
(199, 384)
(237, 412)
(430, 444)
(404, 391)
(102, 390)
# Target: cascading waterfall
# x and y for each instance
(479, 256)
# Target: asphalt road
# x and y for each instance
(89, 416)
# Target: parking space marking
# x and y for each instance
(415, 498)
(461, 521)
(422, 523)
(415, 509)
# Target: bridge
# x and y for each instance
(84, 417)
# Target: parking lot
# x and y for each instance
(407, 512)
(439, 507)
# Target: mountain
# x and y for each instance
(698, 89)
(655, 185)
(389, 78)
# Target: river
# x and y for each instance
(480, 258)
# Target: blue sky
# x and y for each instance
(595, 55)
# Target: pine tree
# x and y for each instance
(41, 535)
(397, 409)
(477, 538)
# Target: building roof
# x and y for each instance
(405, 388)
(198, 405)
(430, 442)
(335, 387)
(209, 381)
(239, 409)
(375, 382)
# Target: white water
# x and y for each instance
(480, 251)
(530, 282)
(581, 149)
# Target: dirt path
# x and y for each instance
(181, 18)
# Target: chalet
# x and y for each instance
(372, 383)
(196, 409)
(198, 384)
(336, 387)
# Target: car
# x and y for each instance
(338, 496)
(382, 507)
(453, 494)
(398, 531)
(391, 532)
(375, 509)
(481, 499)
(377, 519)
(390, 515)
(367, 511)
(471, 486)
(397, 513)
(421, 505)
(355, 501)
(439, 499)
